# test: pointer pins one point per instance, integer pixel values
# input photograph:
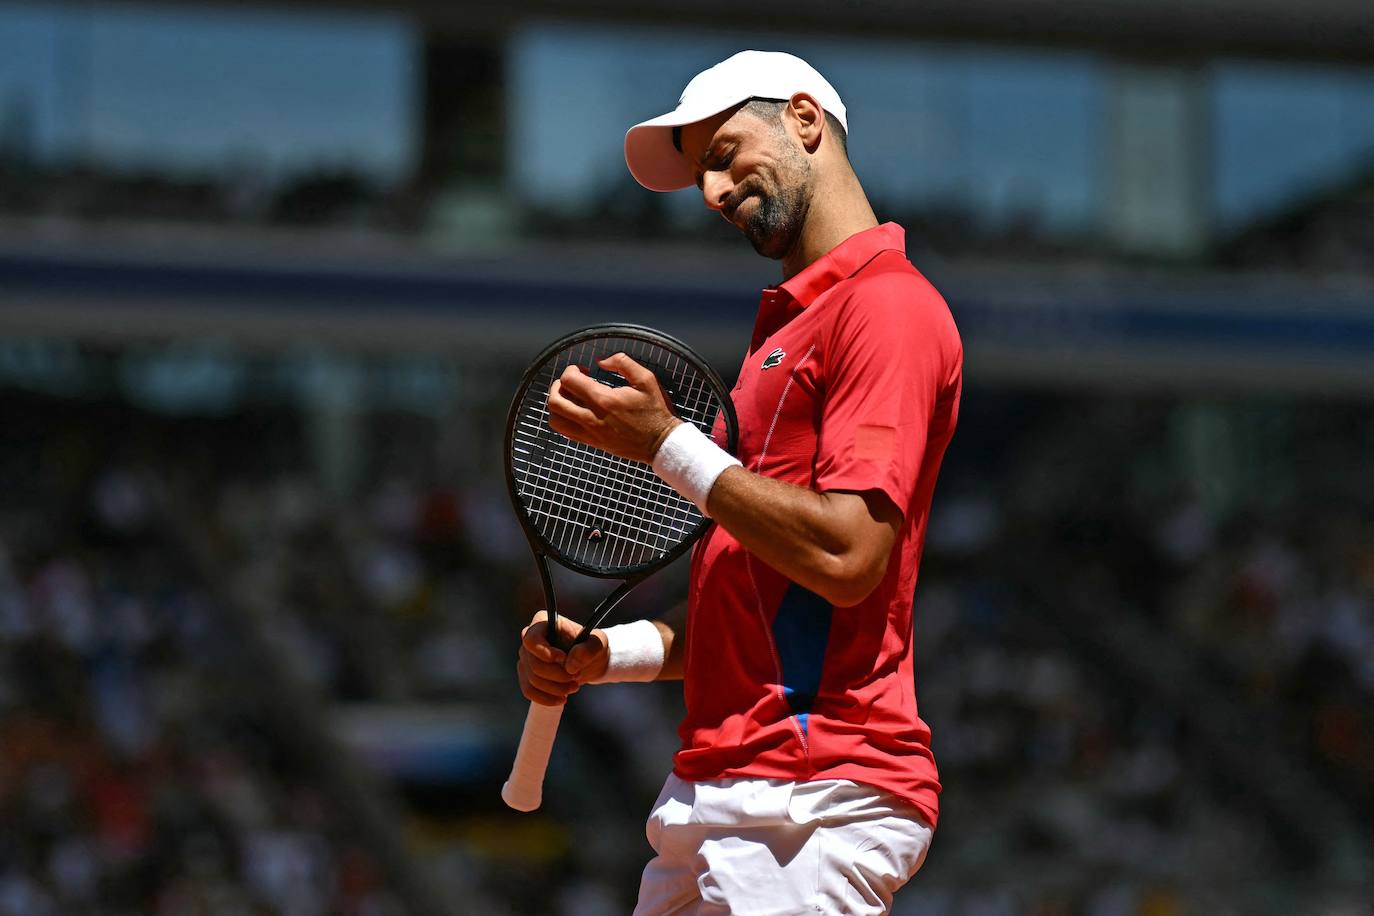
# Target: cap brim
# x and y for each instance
(649, 152)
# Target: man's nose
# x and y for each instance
(716, 188)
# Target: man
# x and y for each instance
(805, 782)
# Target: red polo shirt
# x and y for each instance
(851, 382)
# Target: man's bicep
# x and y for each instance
(872, 518)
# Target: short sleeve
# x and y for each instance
(892, 355)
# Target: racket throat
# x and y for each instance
(603, 610)
(550, 603)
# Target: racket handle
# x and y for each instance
(524, 790)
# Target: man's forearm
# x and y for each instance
(672, 627)
(834, 544)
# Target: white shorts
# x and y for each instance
(752, 847)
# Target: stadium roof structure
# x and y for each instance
(1311, 29)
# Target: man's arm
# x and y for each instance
(835, 544)
(672, 626)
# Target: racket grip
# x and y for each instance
(524, 790)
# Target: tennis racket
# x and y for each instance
(591, 511)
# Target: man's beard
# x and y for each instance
(776, 222)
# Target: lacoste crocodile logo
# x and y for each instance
(773, 359)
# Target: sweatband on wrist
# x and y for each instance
(635, 650)
(689, 462)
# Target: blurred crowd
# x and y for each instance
(1334, 232)
(139, 771)
(1098, 788)
(136, 772)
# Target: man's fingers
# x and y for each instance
(549, 671)
(633, 372)
(535, 640)
(550, 680)
(543, 699)
(539, 664)
(551, 688)
(580, 388)
(642, 380)
(570, 430)
(536, 695)
(537, 633)
(560, 405)
(586, 655)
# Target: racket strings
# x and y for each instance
(588, 486)
(585, 518)
(592, 478)
(603, 511)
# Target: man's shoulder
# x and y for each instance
(890, 305)
(890, 272)
(889, 285)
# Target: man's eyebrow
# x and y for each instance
(710, 149)
(699, 167)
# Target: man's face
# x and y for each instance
(754, 172)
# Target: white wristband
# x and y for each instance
(636, 653)
(689, 462)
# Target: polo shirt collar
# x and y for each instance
(782, 303)
(843, 261)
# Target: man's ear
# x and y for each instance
(808, 118)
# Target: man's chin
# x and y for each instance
(770, 246)
(767, 249)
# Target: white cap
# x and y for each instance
(649, 150)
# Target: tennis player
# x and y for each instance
(805, 781)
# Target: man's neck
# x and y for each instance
(836, 213)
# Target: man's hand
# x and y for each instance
(631, 422)
(548, 675)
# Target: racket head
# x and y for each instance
(585, 508)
